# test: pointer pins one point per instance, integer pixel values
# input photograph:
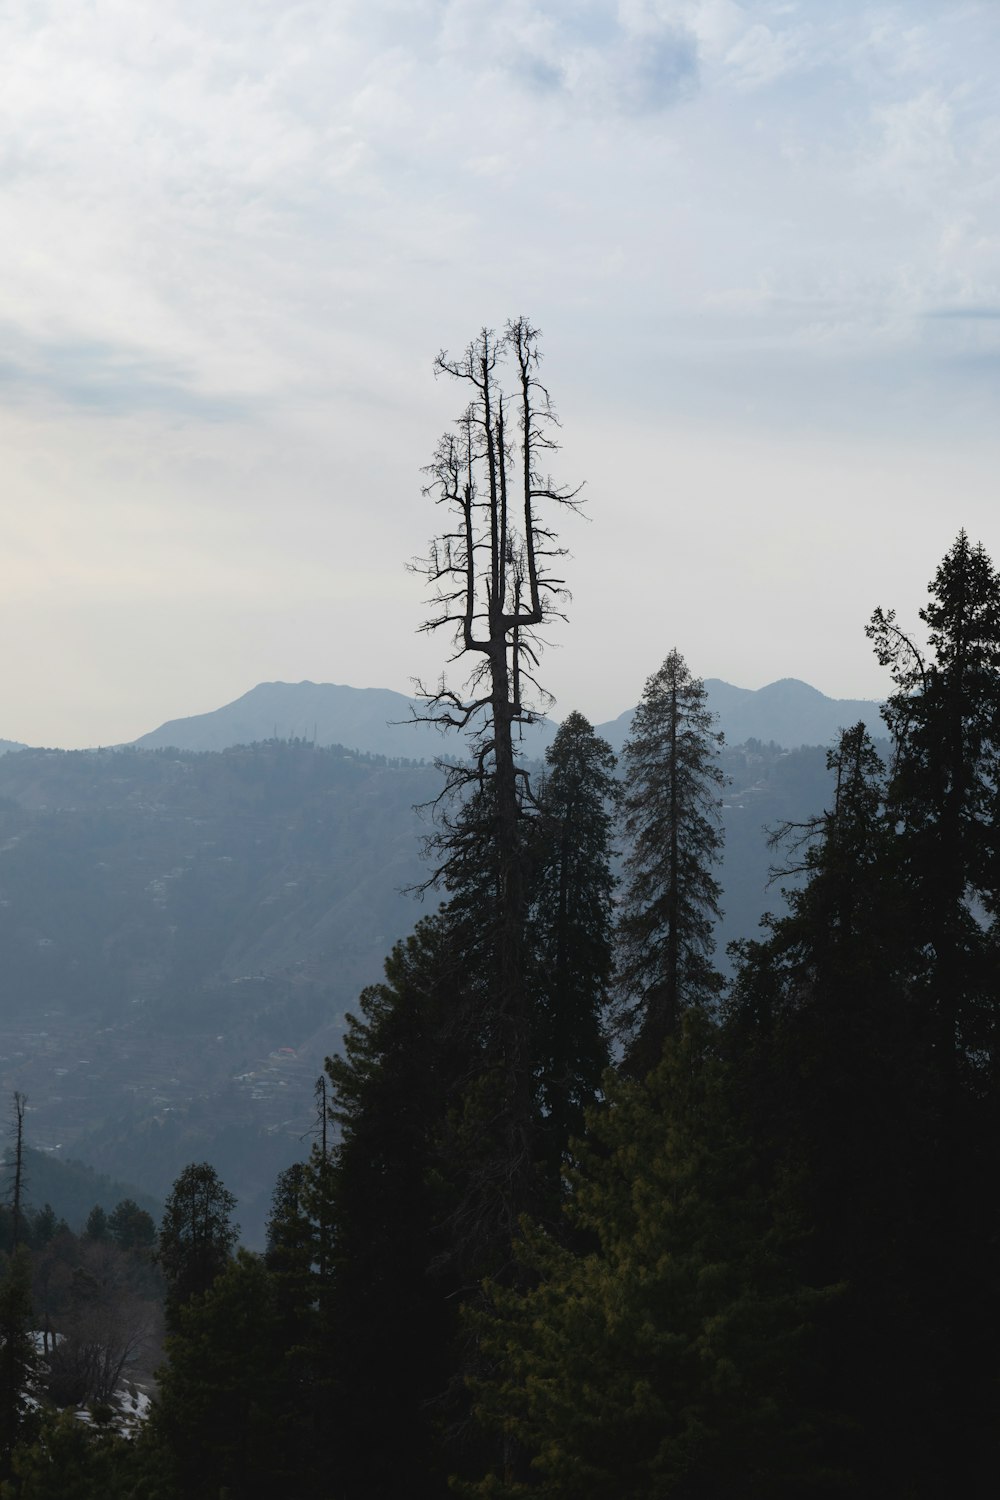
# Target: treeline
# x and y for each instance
(755, 1257)
(80, 1320)
(581, 1219)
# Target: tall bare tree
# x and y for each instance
(493, 573)
(17, 1184)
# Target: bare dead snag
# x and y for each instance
(494, 578)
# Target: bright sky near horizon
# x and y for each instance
(762, 240)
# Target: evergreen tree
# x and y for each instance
(842, 924)
(220, 1423)
(196, 1235)
(96, 1227)
(298, 1262)
(571, 925)
(18, 1358)
(944, 718)
(292, 1238)
(73, 1460)
(943, 802)
(671, 805)
(44, 1226)
(131, 1227)
(828, 1063)
(419, 1214)
(663, 1357)
(18, 1183)
(400, 1240)
(835, 1026)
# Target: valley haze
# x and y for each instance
(187, 920)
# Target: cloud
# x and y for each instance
(915, 145)
(983, 314)
(760, 56)
(106, 379)
(250, 202)
(593, 55)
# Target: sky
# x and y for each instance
(761, 239)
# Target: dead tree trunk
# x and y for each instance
(20, 1104)
(491, 576)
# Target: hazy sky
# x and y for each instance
(762, 241)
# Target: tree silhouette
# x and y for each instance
(671, 806)
(196, 1235)
(492, 576)
(571, 928)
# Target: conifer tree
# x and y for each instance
(292, 1247)
(197, 1235)
(222, 1421)
(18, 1358)
(859, 1026)
(944, 718)
(412, 1175)
(662, 1358)
(73, 1460)
(131, 1227)
(400, 1245)
(571, 928)
(671, 818)
(827, 1070)
(297, 1260)
(96, 1227)
(943, 802)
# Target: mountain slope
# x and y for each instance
(377, 721)
(789, 713)
(182, 934)
(380, 722)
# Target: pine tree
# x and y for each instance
(850, 1090)
(220, 1422)
(197, 1235)
(96, 1227)
(131, 1227)
(843, 920)
(418, 1213)
(400, 1237)
(943, 801)
(292, 1238)
(72, 1460)
(300, 1286)
(571, 928)
(944, 718)
(19, 1368)
(829, 1074)
(661, 1358)
(671, 804)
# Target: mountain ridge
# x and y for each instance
(380, 721)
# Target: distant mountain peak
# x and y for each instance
(378, 720)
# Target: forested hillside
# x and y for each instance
(184, 934)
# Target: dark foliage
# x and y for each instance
(197, 1235)
(672, 825)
